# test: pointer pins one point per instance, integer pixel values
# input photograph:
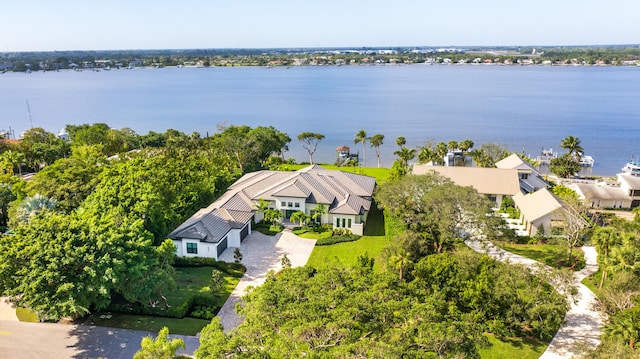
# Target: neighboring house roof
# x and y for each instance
(514, 162)
(600, 191)
(342, 192)
(632, 182)
(534, 180)
(484, 180)
(537, 204)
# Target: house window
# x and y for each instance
(524, 176)
(337, 222)
(343, 223)
(349, 223)
(192, 248)
(283, 204)
(290, 204)
(297, 205)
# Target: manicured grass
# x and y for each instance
(186, 326)
(380, 174)
(271, 231)
(190, 281)
(311, 234)
(194, 280)
(550, 254)
(507, 348)
(346, 253)
(26, 315)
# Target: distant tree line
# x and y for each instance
(47, 61)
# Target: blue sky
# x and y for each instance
(39, 25)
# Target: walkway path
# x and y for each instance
(582, 323)
(261, 253)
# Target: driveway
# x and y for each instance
(261, 253)
(583, 323)
(52, 341)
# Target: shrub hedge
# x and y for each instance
(228, 268)
(337, 239)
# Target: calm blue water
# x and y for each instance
(519, 107)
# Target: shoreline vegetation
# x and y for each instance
(613, 55)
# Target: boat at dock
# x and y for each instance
(546, 156)
(632, 168)
(586, 161)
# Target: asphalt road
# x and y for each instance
(20, 340)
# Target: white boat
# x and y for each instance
(586, 161)
(632, 167)
(546, 156)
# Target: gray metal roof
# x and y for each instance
(345, 193)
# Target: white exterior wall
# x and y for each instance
(290, 200)
(355, 220)
(204, 249)
(233, 238)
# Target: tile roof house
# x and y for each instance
(495, 183)
(227, 221)
(530, 179)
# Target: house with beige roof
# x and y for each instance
(537, 210)
(495, 183)
(530, 179)
(227, 221)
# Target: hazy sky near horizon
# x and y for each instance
(44, 25)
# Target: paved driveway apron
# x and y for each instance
(261, 253)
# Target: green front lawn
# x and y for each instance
(184, 326)
(190, 281)
(507, 348)
(553, 255)
(372, 243)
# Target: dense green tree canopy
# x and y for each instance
(356, 312)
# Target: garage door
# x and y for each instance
(244, 232)
(222, 245)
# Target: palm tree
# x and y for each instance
(300, 217)
(604, 239)
(361, 137)
(262, 206)
(401, 141)
(452, 145)
(400, 262)
(405, 154)
(376, 141)
(465, 145)
(319, 210)
(572, 144)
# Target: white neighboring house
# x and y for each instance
(631, 186)
(601, 194)
(227, 221)
(530, 179)
(495, 183)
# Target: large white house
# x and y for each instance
(227, 221)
